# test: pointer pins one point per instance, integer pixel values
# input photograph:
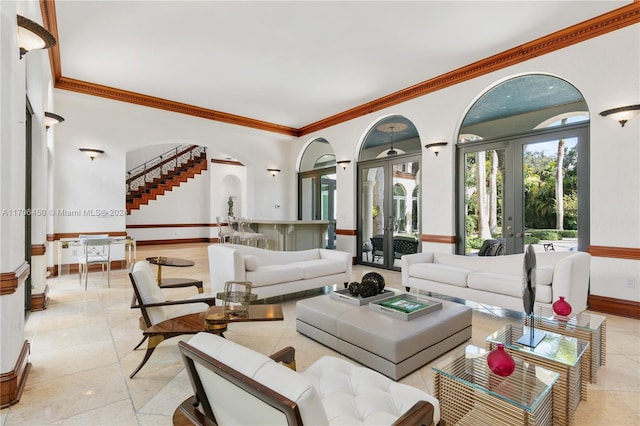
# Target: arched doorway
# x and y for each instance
(522, 154)
(317, 186)
(388, 194)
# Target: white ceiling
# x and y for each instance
(293, 63)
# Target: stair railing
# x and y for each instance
(164, 164)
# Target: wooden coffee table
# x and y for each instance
(213, 321)
(174, 282)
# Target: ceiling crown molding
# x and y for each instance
(614, 20)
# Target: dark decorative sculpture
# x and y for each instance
(374, 277)
(354, 288)
(372, 284)
(532, 336)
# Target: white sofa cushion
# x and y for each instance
(511, 285)
(462, 262)
(320, 267)
(544, 275)
(440, 273)
(274, 274)
(354, 395)
(251, 262)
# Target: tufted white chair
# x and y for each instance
(235, 385)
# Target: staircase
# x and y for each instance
(152, 179)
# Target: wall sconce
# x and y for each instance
(273, 172)
(622, 114)
(51, 119)
(32, 35)
(343, 163)
(436, 147)
(91, 152)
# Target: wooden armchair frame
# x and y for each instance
(187, 413)
(145, 321)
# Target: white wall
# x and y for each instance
(615, 152)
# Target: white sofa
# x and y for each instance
(497, 280)
(275, 273)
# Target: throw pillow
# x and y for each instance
(251, 263)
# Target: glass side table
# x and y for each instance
(583, 325)
(470, 394)
(566, 355)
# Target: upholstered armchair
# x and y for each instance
(155, 309)
(235, 385)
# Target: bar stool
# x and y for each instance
(246, 236)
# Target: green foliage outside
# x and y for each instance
(539, 196)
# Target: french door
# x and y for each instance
(512, 189)
(317, 195)
(388, 210)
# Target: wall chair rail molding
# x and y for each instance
(172, 225)
(440, 239)
(38, 249)
(350, 232)
(176, 241)
(615, 252)
(10, 281)
(77, 234)
(12, 383)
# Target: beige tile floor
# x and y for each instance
(81, 355)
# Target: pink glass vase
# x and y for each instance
(561, 307)
(500, 361)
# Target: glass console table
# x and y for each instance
(566, 355)
(583, 325)
(470, 394)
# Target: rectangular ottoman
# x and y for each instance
(386, 344)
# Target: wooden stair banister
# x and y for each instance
(162, 176)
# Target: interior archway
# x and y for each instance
(388, 175)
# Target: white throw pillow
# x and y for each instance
(251, 262)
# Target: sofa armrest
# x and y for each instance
(571, 280)
(225, 264)
(338, 255)
(421, 413)
(408, 260)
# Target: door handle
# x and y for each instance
(510, 230)
(519, 235)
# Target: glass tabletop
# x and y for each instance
(524, 388)
(581, 320)
(554, 346)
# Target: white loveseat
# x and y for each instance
(497, 280)
(275, 273)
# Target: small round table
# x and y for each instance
(174, 282)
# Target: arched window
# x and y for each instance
(522, 155)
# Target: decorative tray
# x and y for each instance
(345, 296)
(405, 306)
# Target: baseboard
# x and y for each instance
(610, 305)
(12, 383)
(40, 301)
